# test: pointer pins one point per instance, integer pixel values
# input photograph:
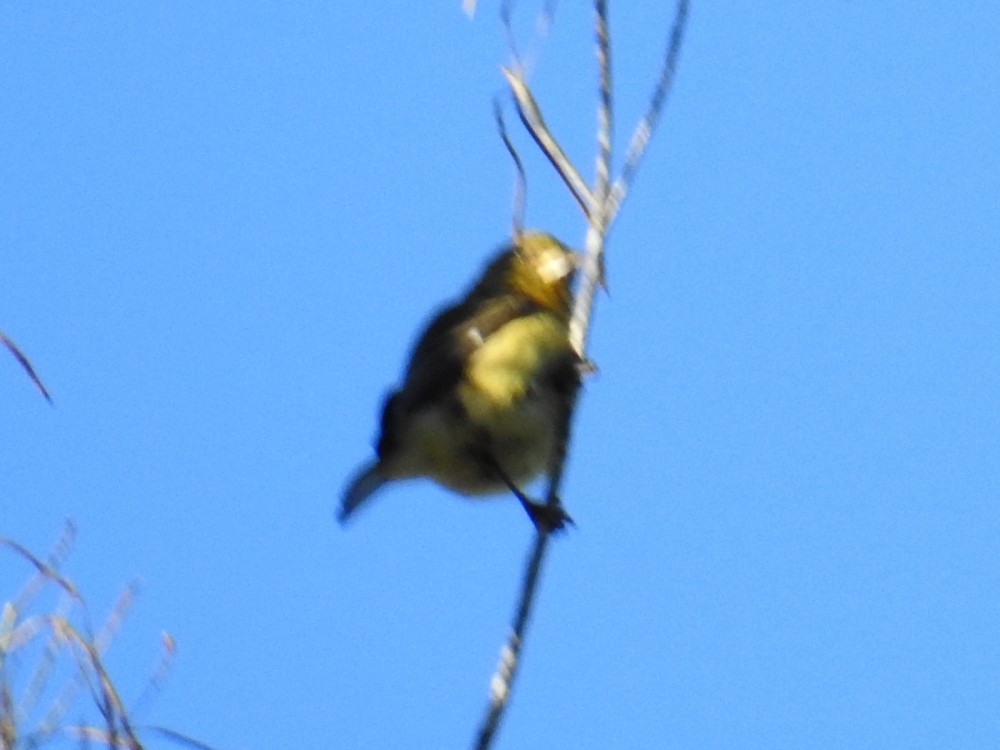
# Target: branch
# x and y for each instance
(605, 116)
(159, 676)
(531, 116)
(644, 130)
(543, 24)
(503, 679)
(600, 219)
(510, 654)
(105, 694)
(26, 364)
(600, 206)
(46, 572)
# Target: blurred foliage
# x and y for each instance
(52, 660)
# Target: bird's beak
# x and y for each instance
(558, 266)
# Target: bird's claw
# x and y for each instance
(548, 518)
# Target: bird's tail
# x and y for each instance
(364, 484)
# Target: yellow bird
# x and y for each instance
(487, 384)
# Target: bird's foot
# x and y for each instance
(548, 518)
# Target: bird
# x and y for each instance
(486, 392)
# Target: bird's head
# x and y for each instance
(537, 266)
(542, 269)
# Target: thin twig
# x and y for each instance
(26, 364)
(8, 732)
(503, 679)
(605, 116)
(107, 698)
(521, 183)
(546, 19)
(116, 617)
(600, 218)
(531, 116)
(45, 570)
(644, 130)
(159, 677)
(62, 703)
(46, 662)
(506, 13)
(524, 63)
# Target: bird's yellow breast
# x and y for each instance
(501, 372)
(510, 411)
(509, 396)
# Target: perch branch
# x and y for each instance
(600, 207)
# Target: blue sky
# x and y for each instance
(221, 225)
